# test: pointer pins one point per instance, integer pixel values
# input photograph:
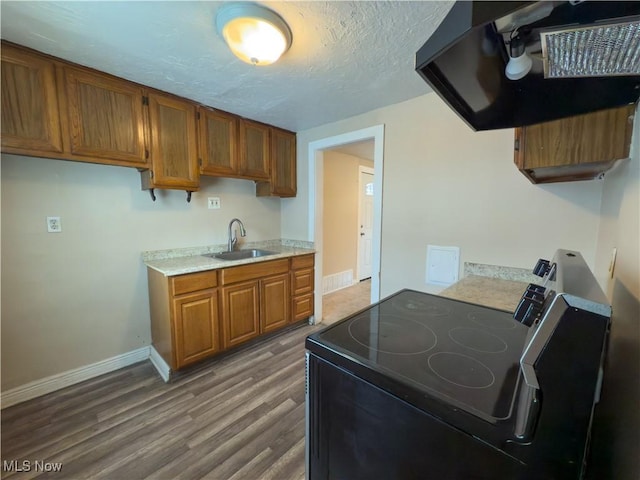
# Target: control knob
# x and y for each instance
(542, 267)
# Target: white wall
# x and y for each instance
(74, 298)
(447, 185)
(617, 421)
(340, 219)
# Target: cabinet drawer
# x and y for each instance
(253, 271)
(302, 307)
(192, 282)
(302, 281)
(303, 261)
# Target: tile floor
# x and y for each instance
(337, 305)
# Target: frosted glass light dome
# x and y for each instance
(254, 34)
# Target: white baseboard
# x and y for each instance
(50, 384)
(161, 366)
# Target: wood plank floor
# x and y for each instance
(238, 417)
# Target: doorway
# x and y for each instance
(316, 203)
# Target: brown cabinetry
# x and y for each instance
(105, 118)
(282, 180)
(218, 142)
(30, 121)
(255, 300)
(174, 157)
(197, 315)
(582, 147)
(254, 150)
(240, 313)
(302, 283)
(184, 316)
(53, 108)
(274, 302)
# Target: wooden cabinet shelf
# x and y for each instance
(576, 148)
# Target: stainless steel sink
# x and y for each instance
(241, 254)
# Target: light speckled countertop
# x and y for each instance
(491, 292)
(189, 260)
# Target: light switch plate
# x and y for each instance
(213, 203)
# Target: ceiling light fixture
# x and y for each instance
(519, 62)
(254, 34)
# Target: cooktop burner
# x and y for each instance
(393, 335)
(488, 319)
(477, 340)
(461, 370)
(419, 306)
(464, 354)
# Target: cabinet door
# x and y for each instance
(218, 142)
(283, 165)
(240, 313)
(254, 150)
(105, 117)
(174, 156)
(274, 302)
(196, 329)
(30, 120)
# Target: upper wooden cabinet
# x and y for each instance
(254, 150)
(105, 117)
(218, 142)
(575, 148)
(56, 109)
(282, 181)
(30, 121)
(173, 153)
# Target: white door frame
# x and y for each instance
(316, 170)
(362, 169)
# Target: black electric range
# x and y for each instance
(414, 384)
(464, 354)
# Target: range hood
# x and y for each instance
(585, 56)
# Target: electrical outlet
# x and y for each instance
(213, 203)
(54, 225)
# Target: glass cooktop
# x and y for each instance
(463, 354)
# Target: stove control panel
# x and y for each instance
(530, 304)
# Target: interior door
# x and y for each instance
(366, 225)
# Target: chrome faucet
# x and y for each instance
(233, 240)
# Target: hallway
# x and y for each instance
(337, 305)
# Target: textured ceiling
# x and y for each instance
(346, 58)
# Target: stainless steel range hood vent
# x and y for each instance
(570, 57)
(597, 51)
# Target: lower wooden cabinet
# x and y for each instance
(302, 283)
(255, 300)
(197, 315)
(185, 324)
(196, 326)
(240, 313)
(274, 303)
